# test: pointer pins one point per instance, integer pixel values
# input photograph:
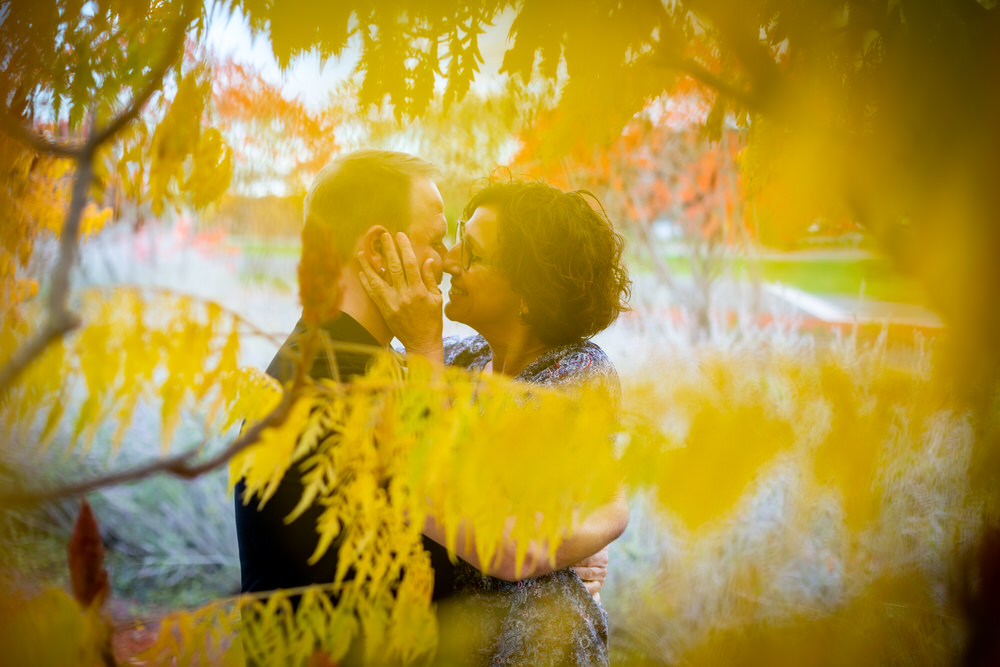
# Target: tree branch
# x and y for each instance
(175, 44)
(179, 465)
(68, 239)
(698, 72)
(17, 131)
(54, 329)
(60, 320)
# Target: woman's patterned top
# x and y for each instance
(547, 620)
(563, 366)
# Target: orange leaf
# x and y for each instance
(86, 559)
(321, 659)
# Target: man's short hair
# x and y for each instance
(361, 189)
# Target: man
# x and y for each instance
(365, 198)
(362, 196)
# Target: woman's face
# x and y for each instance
(480, 296)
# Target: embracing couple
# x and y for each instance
(536, 272)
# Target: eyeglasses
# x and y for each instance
(468, 257)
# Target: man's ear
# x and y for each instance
(372, 246)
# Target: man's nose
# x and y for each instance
(453, 259)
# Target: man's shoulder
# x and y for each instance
(282, 366)
(344, 329)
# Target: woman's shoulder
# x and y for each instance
(574, 363)
(465, 351)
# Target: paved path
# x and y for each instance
(837, 308)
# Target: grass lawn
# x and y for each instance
(880, 280)
(266, 248)
(876, 276)
(826, 275)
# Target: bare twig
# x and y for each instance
(175, 45)
(33, 348)
(696, 71)
(180, 465)
(68, 240)
(13, 127)
(60, 320)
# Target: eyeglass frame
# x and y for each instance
(467, 256)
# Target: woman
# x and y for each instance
(536, 272)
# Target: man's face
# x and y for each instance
(428, 225)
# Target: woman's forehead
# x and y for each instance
(482, 226)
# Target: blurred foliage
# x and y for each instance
(69, 64)
(169, 351)
(32, 201)
(278, 141)
(878, 451)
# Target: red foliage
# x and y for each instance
(86, 560)
(659, 167)
(276, 126)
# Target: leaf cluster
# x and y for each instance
(66, 64)
(32, 201)
(402, 44)
(159, 349)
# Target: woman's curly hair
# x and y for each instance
(561, 255)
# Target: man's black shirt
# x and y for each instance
(274, 554)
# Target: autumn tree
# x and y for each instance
(662, 177)
(882, 113)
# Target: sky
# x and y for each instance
(305, 79)
(311, 82)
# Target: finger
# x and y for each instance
(371, 281)
(368, 268)
(593, 587)
(430, 277)
(600, 559)
(597, 560)
(591, 573)
(392, 259)
(411, 267)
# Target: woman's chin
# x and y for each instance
(454, 313)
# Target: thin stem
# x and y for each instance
(60, 320)
(33, 348)
(37, 142)
(179, 465)
(174, 47)
(698, 72)
(68, 240)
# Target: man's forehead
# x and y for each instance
(427, 208)
(424, 193)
